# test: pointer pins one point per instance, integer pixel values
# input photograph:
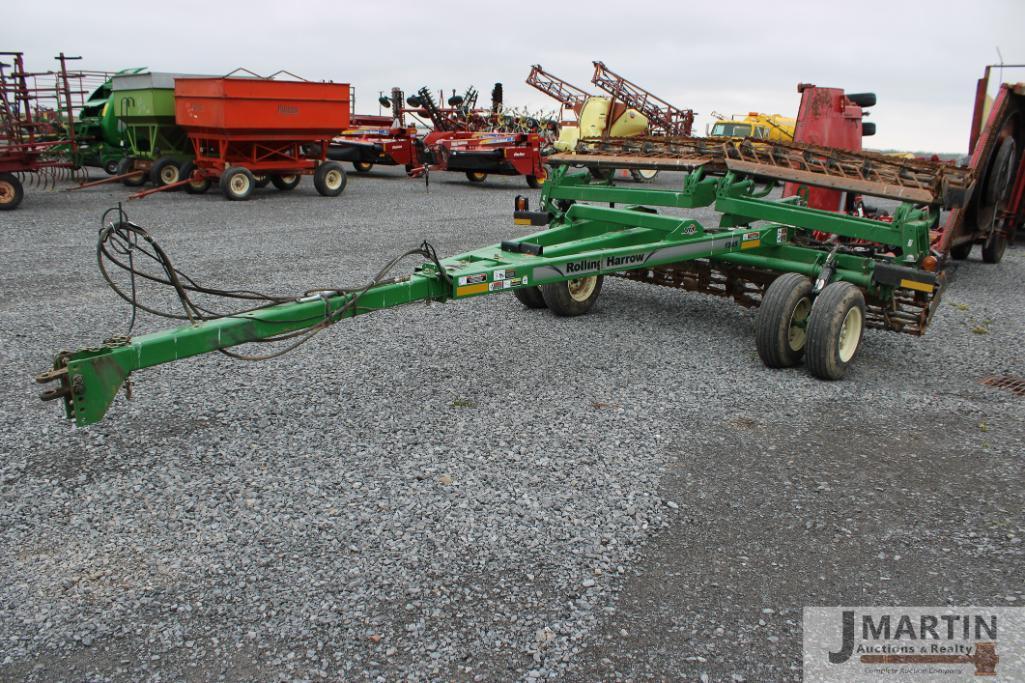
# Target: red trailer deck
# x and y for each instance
(241, 128)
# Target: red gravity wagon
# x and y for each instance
(247, 132)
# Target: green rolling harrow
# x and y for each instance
(819, 277)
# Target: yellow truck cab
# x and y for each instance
(755, 125)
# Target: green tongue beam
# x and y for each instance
(593, 241)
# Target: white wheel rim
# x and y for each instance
(169, 174)
(648, 173)
(239, 183)
(850, 334)
(797, 324)
(288, 179)
(333, 179)
(6, 192)
(581, 289)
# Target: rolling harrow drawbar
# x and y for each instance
(815, 296)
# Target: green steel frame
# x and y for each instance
(148, 120)
(151, 141)
(582, 240)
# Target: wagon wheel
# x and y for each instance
(111, 166)
(530, 297)
(476, 176)
(330, 179)
(262, 181)
(11, 192)
(362, 166)
(165, 171)
(195, 185)
(286, 182)
(961, 251)
(237, 183)
(572, 297)
(127, 165)
(643, 175)
(993, 248)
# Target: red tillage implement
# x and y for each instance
(37, 125)
(245, 131)
(478, 154)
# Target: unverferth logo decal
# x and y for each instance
(853, 644)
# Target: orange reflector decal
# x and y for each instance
(470, 290)
(917, 286)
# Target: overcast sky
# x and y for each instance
(921, 58)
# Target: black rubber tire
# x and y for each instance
(286, 183)
(564, 204)
(558, 298)
(237, 183)
(330, 179)
(531, 297)
(195, 187)
(868, 129)
(961, 251)
(863, 99)
(111, 166)
(476, 176)
(362, 166)
(638, 174)
(11, 192)
(126, 165)
(994, 248)
(822, 353)
(262, 181)
(1000, 178)
(533, 182)
(788, 296)
(602, 173)
(165, 171)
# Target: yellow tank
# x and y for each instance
(629, 124)
(568, 136)
(591, 122)
(593, 117)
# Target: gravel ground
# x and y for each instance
(475, 491)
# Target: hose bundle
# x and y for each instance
(122, 245)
